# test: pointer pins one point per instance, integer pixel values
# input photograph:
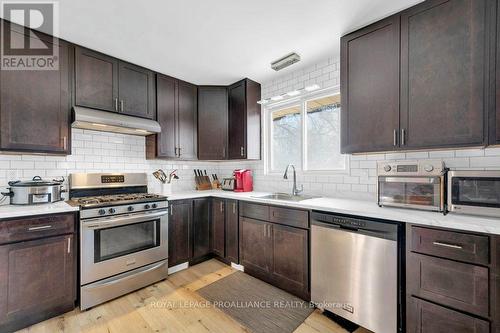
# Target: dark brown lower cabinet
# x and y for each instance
(430, 318)
(180, 224)
(255, 247)
(276, 252)
(291, 259)
(218, 227)
(201, 228)
(232, 243)
(37, 275)
(452, 281)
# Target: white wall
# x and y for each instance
(360, 179)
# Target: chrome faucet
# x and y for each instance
(295, 190)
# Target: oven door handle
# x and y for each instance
(122, 220)
(412, 180)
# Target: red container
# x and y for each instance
(244, 180)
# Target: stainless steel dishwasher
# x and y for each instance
(354, 270)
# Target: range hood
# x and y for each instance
(104, 121)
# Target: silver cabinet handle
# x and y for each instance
(234, 207)
(242, 151)
(43, 227)
(265, 230)
(395, 138)
(179, 151)
(116, 104)
(403, 137)
(221, 207)
(69, 245)
(121, 105)
(175, 152)
(452, 246)
(269, 231)
(65, 142)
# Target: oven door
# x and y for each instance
(474, 192)
(425, 193)
(118, 244)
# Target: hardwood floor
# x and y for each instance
(168, 306)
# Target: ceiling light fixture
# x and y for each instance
(312, 87)
(293, 93)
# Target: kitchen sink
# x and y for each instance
(285, 197)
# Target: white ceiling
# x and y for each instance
(217, 41)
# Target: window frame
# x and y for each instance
(267, 133)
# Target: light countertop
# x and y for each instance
(10, 211)
(362, 208)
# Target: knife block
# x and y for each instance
(204, 184)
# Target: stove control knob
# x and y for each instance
(147, 206)
(428, 168)
(154, 205)
(101, 212)
(130, 208)
(387, 168)
(112, 211)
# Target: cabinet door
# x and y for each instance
(187, 120)
(137, 90)
(370, 88)
(180, 223)
(443, 74)
(212, 123)
(494, 120)
(96, 80)
(255, 247)
(201, 227)
(232, 253)
(290, 267)
(35, 105)
(37, 281)
(218, 227)
(424, 317)
(164, 144)
(237, 133)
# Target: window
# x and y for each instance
(306, 133)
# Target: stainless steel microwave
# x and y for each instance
(474, 192)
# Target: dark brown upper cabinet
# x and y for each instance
(370, 88)
(96, 80)
(212, 122)
(420, 79)
(35, 105)
(177, 114)
(444, 71)
(106, 83)
(136, 90)
(244, 120)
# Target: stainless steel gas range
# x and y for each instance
(123, 234)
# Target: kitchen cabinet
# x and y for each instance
(444, 44)
(419, 79)
(244, 120)
(106, 83)
(96, 80)
(37, 270)
(451, 281)
(276, 250)
(218, 227)
(212, 122)
(370, 88)
(180, 226)
(136, 91)
(201, 228)
(177, 114)
(494, 123)
(232, 231)
(35, 105)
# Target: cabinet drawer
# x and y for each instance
(254, 211)
(450, 244)
(291, 217)
(426, 317)
(36, 227)
(457, 285)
